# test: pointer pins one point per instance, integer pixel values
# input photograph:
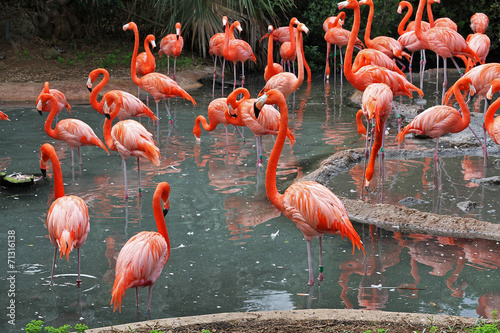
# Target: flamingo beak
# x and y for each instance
(44, 172)
(125, 27)
(342, 5)
(259, 104)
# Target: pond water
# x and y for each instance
(231, 249)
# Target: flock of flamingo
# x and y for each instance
(313, 207)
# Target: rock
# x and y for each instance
(487, 181)
(51, 54)
(467, 206)
(496, 163)
(411, 201)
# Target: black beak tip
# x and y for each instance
(165, 211)
(107, 116)
(90, 89)
(44, 172)
(256, 110)
(40, 112)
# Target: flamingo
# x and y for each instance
(377, 105)
(129, 138)
(143, 257)
(411, 26)
(131, 105)
(388, 45)
(237, 50)
(491, 124)
(288, 50)
(172, 45)
(145, 63)
(74, 132)
(441, 119)
(479, 43)
(272, 68)
(479, 23)
(311, 206)
(68, 216)
(265, 121)
(3, 116)
(282, 35)
(287, 82)
(217, 110)
(158, 85)
(61, 100)
(216, 48)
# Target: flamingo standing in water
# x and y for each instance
(216, 48)
(217, 110)
(491, 124)
(131, 105)
(237, 50)
(74, 132)
(129, 138)
(311, 206)
(158, 85)
(172, 45)
(441, 119)
(143, 257)
(3, 116)
(272, 68)
(60, 98)
(377, 105)
(264, 121)
(288, 50)
(145, 62)
(68, 216)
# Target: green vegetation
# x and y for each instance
(35, 326)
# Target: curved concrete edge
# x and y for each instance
(297, 315)
(402, 218)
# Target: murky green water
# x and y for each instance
(224, 258)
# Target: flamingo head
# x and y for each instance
(495, 86)
(224, 21)
(89, 84)
(238, 26)
(130, 26)
(351, 4)
(294, 21)
(302, 27)
(178, 29)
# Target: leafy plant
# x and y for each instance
(35, 326)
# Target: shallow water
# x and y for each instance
(231, 249)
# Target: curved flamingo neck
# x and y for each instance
(48, 153)
(149, 54)
(293, 42)
(401, 26)
(463, 106)
(300, 59)
(95, 91)
(228, 34)
(53, 112)
(206, 125)
(430, 17)
(270, 59)
(272, 165)
(133, 72)
(489, 117)
(418, 24)
(162, 193)
(368, 29)
(46, 87)
(106, 129)
(350, 46)
(231, 99)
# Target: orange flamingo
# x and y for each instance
(172, 45)
(391, 47)
(158, 85)
(74, 132)
(3, 116)
(265, 121)
(272, 68)
(145, 63)
(441, 119)
(479, 23)
(479, 43)
(491, 124)
(445, 42)
(129, 138)
(217, 110)
(61, 100)
(131, 105)
(282, 35)
(377, 105)
(411, 26)
(311, 206)
(287, 82)
(216, 48)
(68, 216)
(143, 257)
(287, 49)
(237, 50)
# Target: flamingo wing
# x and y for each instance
(132, 139)
(77, 133)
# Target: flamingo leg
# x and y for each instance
(168, 111)
(53, 266)
(80, 156)
(139, 174)
(138, 92)
(234, 78)
(149, 299)
(227, 138)
(242, 74)
(175, 64)
(341, 68)
(137, 298)
(125, 175)
(72, 158)
(241, 134)
(222, 75)
(366, 154)
(423, 61)
(445, 82)
(215, 75)
(437, 70)
(335, 61)
(327, 64)
(485, 146)
(410, 67)
(320, 277)
(157, 114)
(397, 116)
(79, 281)
(168, 66)
(310, 265)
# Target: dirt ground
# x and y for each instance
(23, 71)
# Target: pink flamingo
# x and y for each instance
(145, 62)
(217, 110)
(143, 257)
(3, 116)
(237, 50)
(131, 105)
(172, 45)
(158, 85)
(74, 132)
(287, 82)
(479, 43)
(129, 138)
(264, 121)
(479, 23)
(216, 48)
(68, 216)
(60, 98)
(311, 206)
(272, 68)
(441, 119)
(288, 50)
